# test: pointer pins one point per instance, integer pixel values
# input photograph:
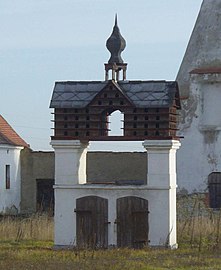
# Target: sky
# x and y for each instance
(44, 41)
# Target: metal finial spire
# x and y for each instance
(116, 44)
(115, 19)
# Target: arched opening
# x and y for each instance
(116, 123)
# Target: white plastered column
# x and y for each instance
(161, 179)
(70, 170)
(70, 162)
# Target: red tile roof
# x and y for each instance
(9, 136)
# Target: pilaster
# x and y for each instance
(70, 162)
(161, 162)
(161, 177)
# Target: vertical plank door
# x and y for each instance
(132, 222)
(92, 222)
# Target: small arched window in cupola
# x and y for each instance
(116, 124)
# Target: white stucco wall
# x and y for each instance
(201, 127)
(159, 202)
(10, 198)
(160, 191)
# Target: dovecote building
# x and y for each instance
(102, 215)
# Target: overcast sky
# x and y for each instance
(43, 41)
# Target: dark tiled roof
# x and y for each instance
(150, 93)
(9, 136)
(141, 93)
(75, 94)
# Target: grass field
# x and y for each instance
(40, 255)
(26, 243)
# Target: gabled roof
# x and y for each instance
(9, 136)
(150, 93)
(117, 87)
(79, 94)
(75, 94)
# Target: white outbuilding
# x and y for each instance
(11, 145)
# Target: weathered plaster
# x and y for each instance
(200, 121)
(188, 112)
(201, 128)
(210, 136)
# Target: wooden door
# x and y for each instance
(214, 183)
(132, 222)
(45, 195)
(92, 222)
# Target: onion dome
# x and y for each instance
(116, 44)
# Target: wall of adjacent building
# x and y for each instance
(116, 166)
(200, 122)
(200, 126)
(102, 167)
(34, 166)
(10, 198)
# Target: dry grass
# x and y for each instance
(198, 226)
(27, 243)
(40, 255)
(35, 227)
